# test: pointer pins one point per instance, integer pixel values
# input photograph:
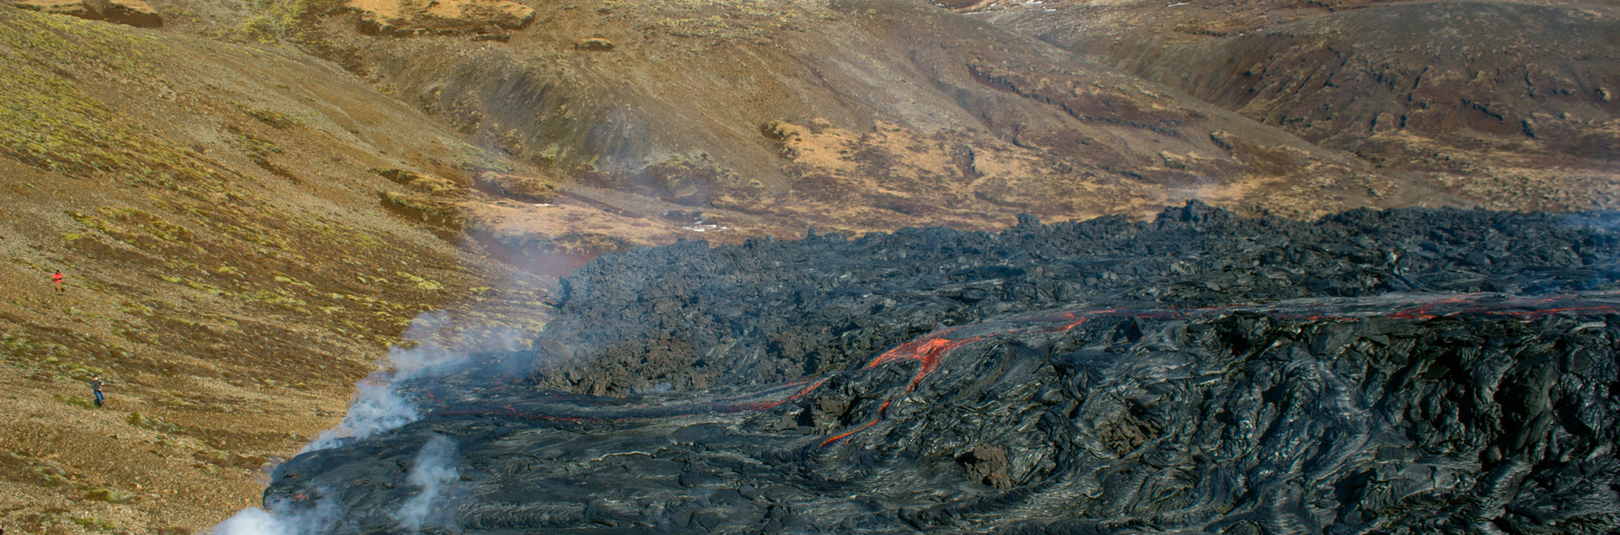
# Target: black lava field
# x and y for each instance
(1408, 371)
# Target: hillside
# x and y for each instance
(252, 202)
(231, 268)
(849, 116)
(1510, 104)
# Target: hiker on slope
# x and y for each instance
(95, 385)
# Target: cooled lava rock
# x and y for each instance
(1375, 372)
(692, 316)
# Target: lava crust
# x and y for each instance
(1374, 372)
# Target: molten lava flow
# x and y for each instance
(931, 349)
(881, 409)
(928, 351)
(1423, 311)
(767, 405)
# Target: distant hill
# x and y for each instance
(848, 116)
(1509, 104)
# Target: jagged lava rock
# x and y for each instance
(1373, 371)
(1238, 421)
(771, 310)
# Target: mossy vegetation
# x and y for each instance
(425, 184)
(98, 524)
(58, 359)
(48, 121)
(282, 21)
(109, 495)
(255, 147)
(43, 472)
(196, 282)
(274, 118)
(156, 424)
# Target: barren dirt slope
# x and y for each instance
(850, 116)
(1512, 104)
(220, 214)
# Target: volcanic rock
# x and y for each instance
(1413, 369)
(813, 306)
(594, 43)
(1240, 420)
(987, 465)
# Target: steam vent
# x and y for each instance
(845, 267)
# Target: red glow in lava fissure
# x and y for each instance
(928, 350)
(931, 349)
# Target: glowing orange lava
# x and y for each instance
(767, 405)
(1421, 312)
(881, 409)
(928, 351)
(931, 349)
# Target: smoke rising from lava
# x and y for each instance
(434, 472)
(1194, 373)
(380, 405)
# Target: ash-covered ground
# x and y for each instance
(1410, 371)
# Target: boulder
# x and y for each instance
(594, 43)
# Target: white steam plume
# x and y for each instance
(379, 406)
(280, 521)
(433, 472)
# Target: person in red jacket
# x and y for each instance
(58, 278)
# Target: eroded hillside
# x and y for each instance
(1509, 104)
(220, 214)
(853, 116)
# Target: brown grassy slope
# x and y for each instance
(1503, 103)
(682, 109)
(232, 265)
